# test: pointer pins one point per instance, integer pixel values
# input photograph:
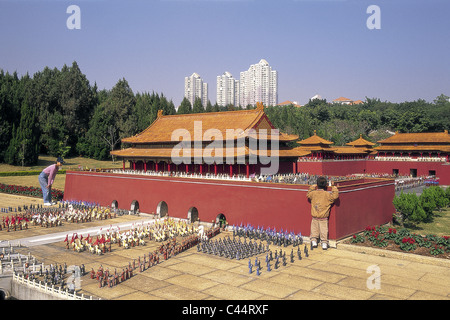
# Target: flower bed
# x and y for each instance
(404, 241)
(29, 191)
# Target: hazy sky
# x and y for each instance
(317, 46)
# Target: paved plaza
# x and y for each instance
(344, 272)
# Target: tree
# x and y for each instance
(441, 100)
(209, 107)
(76, 99)
(111, 138)
(118, 108)
(428, 203)
(92, 144)
(53, 131)
(198, 107)
(185, 107)
(409, 207)
(24, 145)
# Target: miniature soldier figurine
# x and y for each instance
(306, 251)
(299, 253)
(292, 255)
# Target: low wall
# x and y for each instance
(283, 206)
(23, 292)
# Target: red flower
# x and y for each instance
(408, 240)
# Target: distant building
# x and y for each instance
(259, 84)
(227, 90)
(343, 100)
(194, 87)
(288, 102)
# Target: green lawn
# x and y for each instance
(44, 161)
(439, 226)
(71, 163)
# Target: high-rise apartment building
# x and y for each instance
(194, 87)
(259, 84)
(227, 90)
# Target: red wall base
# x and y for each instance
(361, 203)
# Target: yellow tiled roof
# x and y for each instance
(350, 150)
(315, 140)
(211, 152)
(412, 148)
(342, 99)
(360, 142)
(162, 129)
(424, 137)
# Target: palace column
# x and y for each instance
(145, 165)
(231, 170)
(123, 164)
(294, 167)
(215, 168)
(247, 169)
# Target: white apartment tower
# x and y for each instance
(259, 84)
(194, 87)
(227, 90)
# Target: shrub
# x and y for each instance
(415, 208)
(410, 207)
(29, 191)
(380, 236)
(27, 173)
(357, 238)
(391, 234)
(437, 250)
(408, 244)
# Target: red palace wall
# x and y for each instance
(361, 203)
(441, 169)
(346, 167)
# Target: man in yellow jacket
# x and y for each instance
(321, 202)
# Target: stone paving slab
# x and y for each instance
(340, 273)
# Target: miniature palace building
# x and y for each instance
(230, 142)
(200, 166)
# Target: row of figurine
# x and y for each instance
(271, 235)
(159, 230)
